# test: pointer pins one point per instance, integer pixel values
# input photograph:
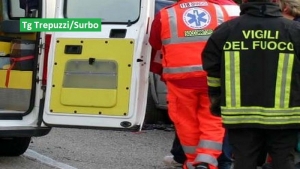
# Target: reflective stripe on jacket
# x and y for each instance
(186, 27)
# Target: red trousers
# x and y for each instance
(200, 133)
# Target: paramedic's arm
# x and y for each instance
(155, 38)
(211, 58)
(155, 42)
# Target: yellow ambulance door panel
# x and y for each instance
(91, 76)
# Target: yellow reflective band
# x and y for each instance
(213, 82)
(283, 80)
(261, 120)
(261, 111)
(232, 79)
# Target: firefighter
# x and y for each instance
(180, 33)
(253, 67)
(291, 10)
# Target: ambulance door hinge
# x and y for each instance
(43, 87)
(37, 80)
(41, 47)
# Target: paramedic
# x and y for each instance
(253, 67)
(184, 29)
(178, 157)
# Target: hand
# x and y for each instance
(215, 106)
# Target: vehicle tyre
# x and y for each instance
(14, 146)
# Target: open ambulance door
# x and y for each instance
(100, 79)
(21, 56)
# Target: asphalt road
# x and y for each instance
(22, 162)
(94, 149)
(98, 149)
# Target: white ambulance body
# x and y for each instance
(73, 79)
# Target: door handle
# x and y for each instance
(139, 60)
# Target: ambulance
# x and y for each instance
(72, 79)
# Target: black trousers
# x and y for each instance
(248, 143)
(177, 150)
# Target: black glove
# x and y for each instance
(215, 106)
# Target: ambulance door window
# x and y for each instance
(15, 10)
(110, 11)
